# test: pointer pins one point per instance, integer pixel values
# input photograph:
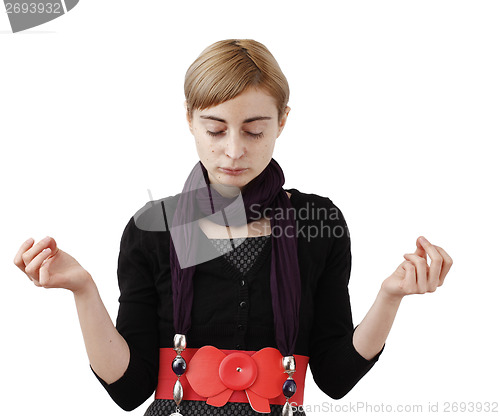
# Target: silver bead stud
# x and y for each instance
(287, 409)
(289, 364)
(178, 392)
(179, 342)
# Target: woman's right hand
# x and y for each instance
(50, 267)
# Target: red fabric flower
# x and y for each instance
(215, 375)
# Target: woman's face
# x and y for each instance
(235, 140)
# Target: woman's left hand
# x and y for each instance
(414, 275)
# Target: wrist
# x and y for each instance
(390, 298)
(86, 288)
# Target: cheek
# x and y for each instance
(204, 148)
(268, 148)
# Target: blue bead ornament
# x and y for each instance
(179, 365)
(289, 388)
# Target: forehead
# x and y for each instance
(252, 104)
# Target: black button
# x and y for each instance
(242, 283)
(238, 347)
(241, 327)
(243, 305)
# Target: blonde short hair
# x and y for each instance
(227, 68)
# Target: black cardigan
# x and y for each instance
(234, 312)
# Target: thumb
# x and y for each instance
(44, 276)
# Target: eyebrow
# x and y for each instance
(248, 120)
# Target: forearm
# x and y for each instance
(371, 334)
(107, 350)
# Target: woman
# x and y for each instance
(248, 279)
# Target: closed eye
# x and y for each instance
(214, 134)
(219, 133)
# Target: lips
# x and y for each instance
(231, 171)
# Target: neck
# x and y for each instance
(227, 191)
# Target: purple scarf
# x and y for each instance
(263, 194)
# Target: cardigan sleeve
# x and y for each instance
(335, 364)
(137, 322)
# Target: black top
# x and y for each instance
(233, 310)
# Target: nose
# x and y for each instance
(235, 148)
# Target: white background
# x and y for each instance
(395, 115)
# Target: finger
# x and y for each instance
(36, 282)
(409, 284)
(46, 275)
(421, 270)
(18, 260)
(420, 251)
(33, 267)
(436, 262)
(34, 251)
(447, 263)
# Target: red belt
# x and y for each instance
(218, 376)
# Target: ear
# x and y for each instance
(283, 120)
(188, 118)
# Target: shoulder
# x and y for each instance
(310, 204)
(148, 228)
(156, 215)
(300, 196)
(320, 221)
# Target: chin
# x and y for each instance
(234, 183)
